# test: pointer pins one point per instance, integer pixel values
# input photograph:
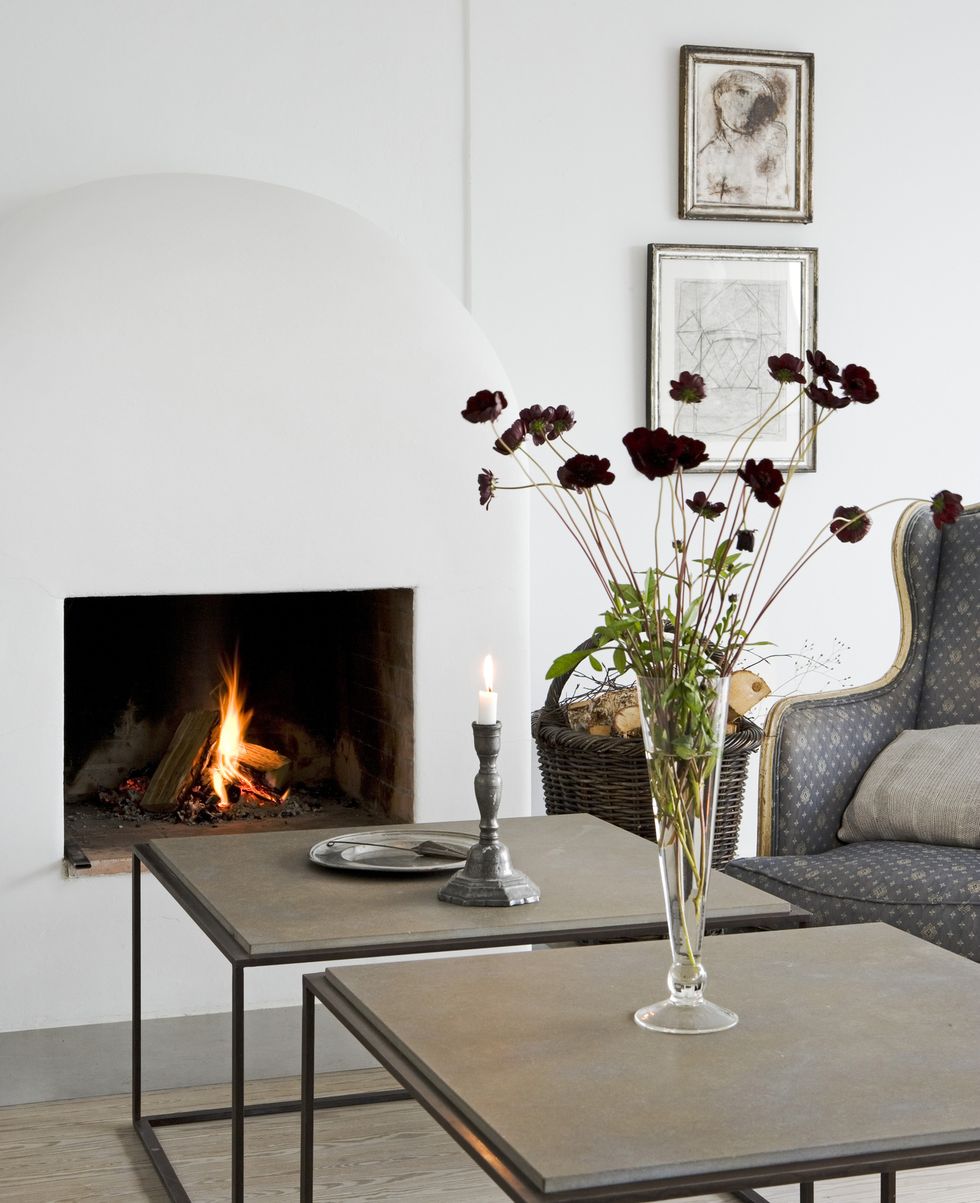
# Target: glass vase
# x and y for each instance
(683, 726)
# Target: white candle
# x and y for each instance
(487, 714)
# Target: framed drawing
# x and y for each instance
(721, 312)
(746, 134)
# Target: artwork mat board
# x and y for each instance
(682, 277)
(700, 66)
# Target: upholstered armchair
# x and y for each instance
(817, 748)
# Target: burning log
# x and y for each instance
(183, 762)
(268, 765)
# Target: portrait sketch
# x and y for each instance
(721, 313)
(746, 134)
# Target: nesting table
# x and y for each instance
(855, 1053)
(261, 901)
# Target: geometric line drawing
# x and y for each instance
(725, 331)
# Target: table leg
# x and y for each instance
(306, 1120)
(238, 1084)
(889, 1188)
(137, 1020)
(806, 1192)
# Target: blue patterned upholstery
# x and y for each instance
(818, 748)
(929, 891)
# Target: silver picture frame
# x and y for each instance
(721, 312)
(746, 134)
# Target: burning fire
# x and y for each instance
(250, 769)
(233, 724)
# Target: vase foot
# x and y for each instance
(685, 1019)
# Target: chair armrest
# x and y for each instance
(815, 750)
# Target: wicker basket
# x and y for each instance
(606, 775)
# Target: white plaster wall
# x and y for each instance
(216, 385)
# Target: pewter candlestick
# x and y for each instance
(488, 878)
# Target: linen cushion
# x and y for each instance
(924, 787)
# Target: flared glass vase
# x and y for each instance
(683, 735)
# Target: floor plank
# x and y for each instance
(86, 1152)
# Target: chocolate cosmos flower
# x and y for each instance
(745, 540)
(653, 452)
(825, 396)
(858, 385)
(946, 508)
(562, 421)
(826, 369)
(690, 452)
(763, 479)
(850, 523)
(787, 369)
(484, 406)
(487, 483)
(688, 387)
(537, 423)
(583, 472)
(511, 439)
(704, 508)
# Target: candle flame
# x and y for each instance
(488, 673)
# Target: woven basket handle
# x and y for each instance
(552, 704)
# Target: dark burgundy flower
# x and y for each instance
(583, 472)
(653, 452)
(850, 523)
(745, 540)
(763, 479)
(787, 369)
(946, 508)
(538, 423)
(825, 397)
(688, 387)
(678, 545)
(488, 484)
(690, 452)
(858, 385)
(562, 421)
(511, 439)
(826, 369)
(704, 508)
(484, 406)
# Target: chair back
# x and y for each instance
(951, 681)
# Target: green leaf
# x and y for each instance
(596, 663)
(619, 660)
(565, 664)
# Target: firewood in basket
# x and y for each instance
(267, 764)
(182, 762)
(627, 722)
(746, 690)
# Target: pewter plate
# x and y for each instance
(372, 857)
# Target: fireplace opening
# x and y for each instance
(213, 712)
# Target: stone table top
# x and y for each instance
(262, 891)
(855, 1046)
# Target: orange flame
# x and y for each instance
(231, 734)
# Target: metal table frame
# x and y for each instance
(739, 1184)
(240, 959)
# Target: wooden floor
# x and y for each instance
(76, 1152)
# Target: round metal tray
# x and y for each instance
(373, 856)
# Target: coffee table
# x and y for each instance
(262, 902)
(855, 1053)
